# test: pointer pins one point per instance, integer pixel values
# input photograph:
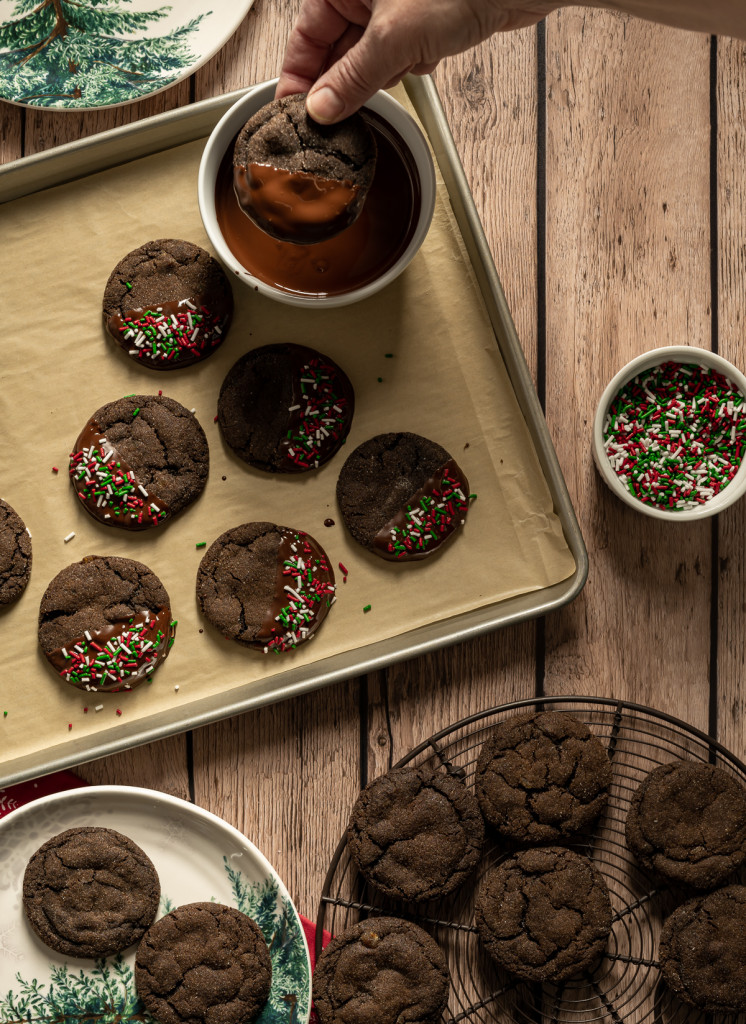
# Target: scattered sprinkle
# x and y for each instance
(367, 608)
(5, 714)
(176, 688)
(99, 707)
(55, 469)
(85, 711)
(70, 536)
(69, 725)
(215, 420)
(344, 572)
(119, 711)
(136, 412)
(201, 544)
(128, 285)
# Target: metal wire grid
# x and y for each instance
(626, 985)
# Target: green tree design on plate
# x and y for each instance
(106, 994)
(87, 53)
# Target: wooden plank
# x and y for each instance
(11, 132)
(162, 766)
(627, 264)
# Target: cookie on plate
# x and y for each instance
(402, 496)
(298, 180)
(139, 461)
(265, 586)
(544, 914)
(415, 833)
(15, 554)
(285, 408)
(687, 823)
(203, 962)
(168, 304)
(90, 892)
(703, 951)
(541, 777)
(105, 623)
(381, 969)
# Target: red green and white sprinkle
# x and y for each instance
(133, 650)
(69, 537)
(305, 594)
(168, 336)
(101, 479)
(432, 517)
(321, 415)
(675, 435)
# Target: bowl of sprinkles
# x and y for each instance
(669, 435)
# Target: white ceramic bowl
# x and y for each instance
(222, 137)
(675, 354)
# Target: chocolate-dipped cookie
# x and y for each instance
(15, 555)
(139, 461)
(544, 914)
(265, 586)
(168, 304)
(541, 777)
(415, 833)
(687, 823)
(105, 623)
(703, 951)
(285, 408)
(382, 969)
(402, 496)
(203, 962)
(298, 180)
(90, 892)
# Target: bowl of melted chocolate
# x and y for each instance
(326, 232)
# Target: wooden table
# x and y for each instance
(606, 157)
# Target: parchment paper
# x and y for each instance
(446, 380)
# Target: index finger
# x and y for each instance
(319, 26)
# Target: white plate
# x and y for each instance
(107, 52)
(198, 857)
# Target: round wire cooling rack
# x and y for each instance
(626, 986)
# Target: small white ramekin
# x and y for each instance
(674, 354)
(222, 137)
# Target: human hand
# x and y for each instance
(343, 51)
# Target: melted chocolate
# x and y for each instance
(356, 256)
(170, 335)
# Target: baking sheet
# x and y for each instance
(446, 379)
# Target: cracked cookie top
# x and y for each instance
(90, 892)
(15, 554)
(542, 777)
(204, 963)
(544, 914)
(138, 461)
(687, 822)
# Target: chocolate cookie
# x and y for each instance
(383, 970)
(542, 777)
(285, 408)
(15, 555)
(90, 892)
(687, 822)
(204, 963)
(139, 461)
(298, 180)
(265, 586)
(415, 833)
(544, 914)
(402, 496)
(105, 623)
(168, 304)
(703, 951)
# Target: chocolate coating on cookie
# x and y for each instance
(381, 970)
(415, 833)
(298, 180)
(204, 963)
(265, 586)
(285, 408)
(168, 304)
(542, 777)
(402, 496)
(544, 914)
(687, 822)
(15, 555)
(90, 892)
(105, 623)
(139, 461)
(703, 951)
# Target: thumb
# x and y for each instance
(360, 72)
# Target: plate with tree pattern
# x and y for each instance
(198, 857)
(88, 54)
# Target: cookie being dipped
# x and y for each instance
(300, 181)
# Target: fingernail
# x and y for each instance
(324, 104)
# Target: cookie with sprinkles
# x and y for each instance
(168, 304)
(402, 496)
(15, 555)
(139, 461)
(285, 408)
(105, 624)
(266, 586)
